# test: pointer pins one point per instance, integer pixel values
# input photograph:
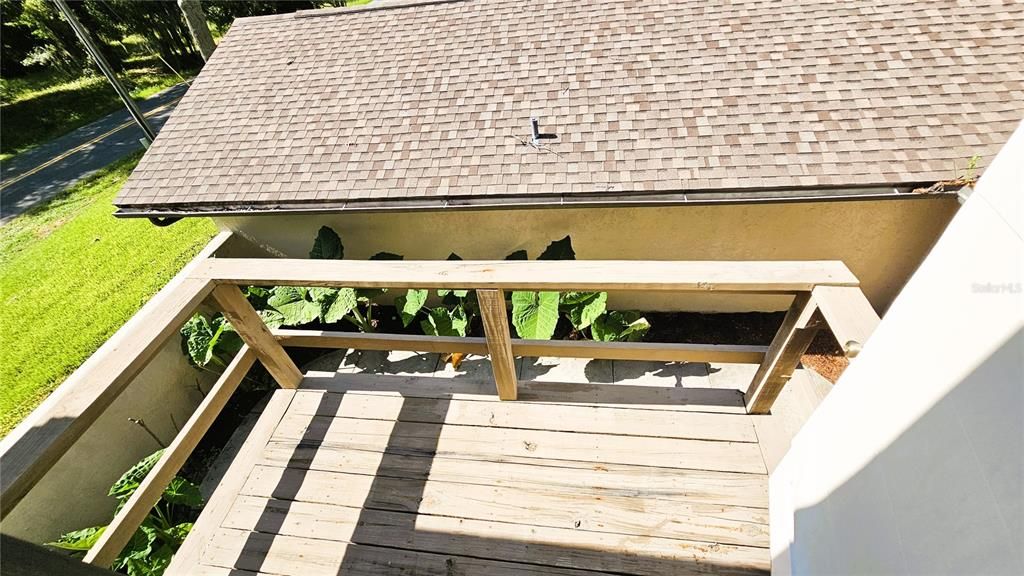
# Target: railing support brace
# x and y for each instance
(794, 336)
(499, 341)
(254, 332)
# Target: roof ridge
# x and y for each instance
(372, 6)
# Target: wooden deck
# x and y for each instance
(397, 464)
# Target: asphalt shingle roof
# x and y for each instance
(337, 108)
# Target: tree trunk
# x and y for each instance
(197, 27)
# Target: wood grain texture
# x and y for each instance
(651, 483)
(135, 510)
(505, 541)
(848, 314)
(555, 348)
(638, 396)
(565, 418)
(561, 275)
(186, 559)
(499, 347)
(254, 332)
(790, 342)
(518, 505)
(378, 482)
(489, 443)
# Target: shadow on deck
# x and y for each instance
(394, 465)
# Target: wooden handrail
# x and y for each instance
(561, 275)
(41, 439)
(127, 520)
(49, 432)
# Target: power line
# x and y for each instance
(104, 67)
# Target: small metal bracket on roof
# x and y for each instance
(537, 135)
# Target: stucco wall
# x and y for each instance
(882, 241)
(73, 494)
(914, 463)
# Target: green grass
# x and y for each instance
(70, 275)
(40, 107)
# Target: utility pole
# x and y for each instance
(196, 20)
(97, 57)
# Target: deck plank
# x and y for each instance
(561, 547)
(650, 397)
(485, 443)
(595, 512)
(374, 474)
(590, 419)
(566, 476)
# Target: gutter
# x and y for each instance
(539, 201)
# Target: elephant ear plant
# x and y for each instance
(535, 315)
(149, 551)
(291, 306)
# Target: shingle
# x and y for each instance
(654, 95)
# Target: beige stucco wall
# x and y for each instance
(914, 463)
(882, 241)
(73, 494)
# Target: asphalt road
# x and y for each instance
(43, 172)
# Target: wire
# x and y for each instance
(154, 52)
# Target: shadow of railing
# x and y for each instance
(397, 529)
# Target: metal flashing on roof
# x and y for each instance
(595, 201)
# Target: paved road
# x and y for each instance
(46, 170)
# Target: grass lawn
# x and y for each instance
(70, 275)
(40, 107)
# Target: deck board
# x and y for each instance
(426, 474)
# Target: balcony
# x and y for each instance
(537, 457)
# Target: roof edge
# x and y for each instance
(376, 6)
(547, 201)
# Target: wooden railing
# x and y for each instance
(823, 291)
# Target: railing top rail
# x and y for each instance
(560, 275)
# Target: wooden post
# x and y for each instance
(783, 356)
(849, 314)
(499, 341)
(255, 333)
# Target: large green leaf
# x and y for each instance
(294, 304)
(343, 303)
(129, 481)
(617, 326)
(182, 492)
(410, 304)
(79, 540)
(177, 533)
(196, 335)
(327, 245)
(559, 250)
(272, 318)
(535, 314)
(224, 343)
(443, 322)
(585, 311)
